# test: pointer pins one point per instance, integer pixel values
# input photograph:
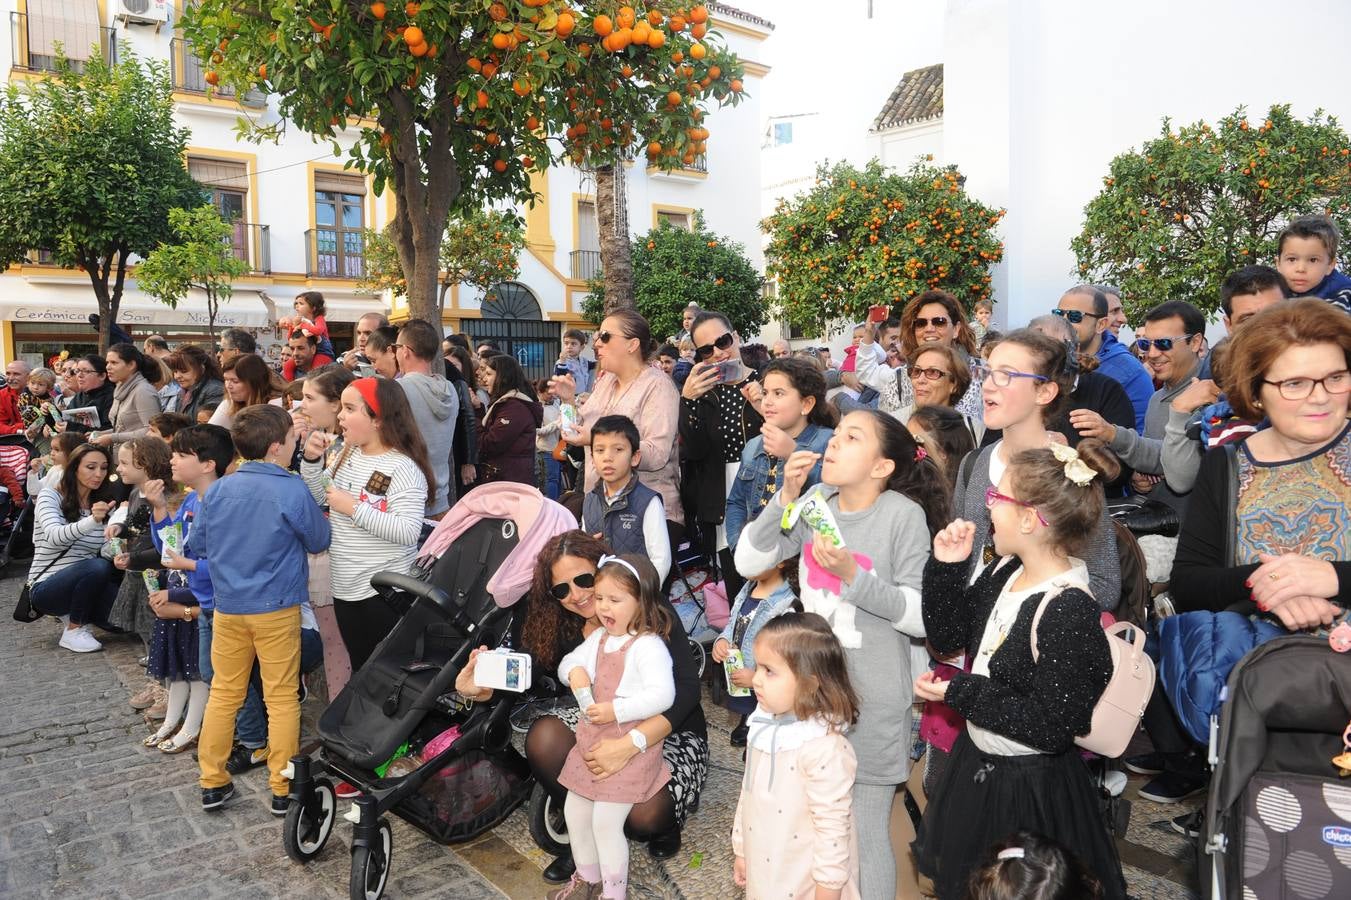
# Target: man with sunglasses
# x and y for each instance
(1171, 341)
(718, 415)
(1085, 307)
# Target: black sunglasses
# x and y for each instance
(585, 581)
(1074, 316)
(722, 343)
(603, 337)
(936, 321)
(1163, 344)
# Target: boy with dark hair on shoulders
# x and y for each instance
(1306, 256)
(628, 514)
(256, 526)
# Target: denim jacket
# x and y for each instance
(773, 606)
(748, 495)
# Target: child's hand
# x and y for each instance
(836, 560)
(742, 677)
(778, 443)
(739, 871)
(754, 394)
(468, 473)
(111, 532)
(178, 561)
(578, 679)
(317, 443)
(953, 543)
(929, 687)
(600, 713)
(720, 650)
(121, 561)
(158, 599)
(341, 501)
(153, 492)
(795, 473)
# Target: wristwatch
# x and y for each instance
(187, 613)
(639, 739)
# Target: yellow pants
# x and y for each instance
(274, 640)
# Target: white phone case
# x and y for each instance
(503, 671)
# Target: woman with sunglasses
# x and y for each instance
(936, 317)
(627, 384)
(561, 612)
(91, 377)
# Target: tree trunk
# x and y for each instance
(98, 270)
(616, 257)
(212, 304)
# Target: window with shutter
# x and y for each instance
(72, 25)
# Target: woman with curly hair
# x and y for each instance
(560, 613)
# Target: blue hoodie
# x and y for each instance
(1115, 361)
(256, 527)
(1335, 289)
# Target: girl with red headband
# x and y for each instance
(375, 491)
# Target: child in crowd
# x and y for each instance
(1023, 707)
(376, 491)
(165, 425)
(762, 599)
(1027, 866)
(1306, 255)
(793, 834)
(797, 417)
(628, 514)
(205, 411)
(548, 471)
(33, 407)
(980, 325)
(309, 307)
(201, 454)
(46, 471)
(256, 526)
(628, 670)
(945, 434)
(139, 460)
(574, 341)
(884, 499)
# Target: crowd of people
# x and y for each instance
(919, 533)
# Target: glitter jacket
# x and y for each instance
(1043, 704)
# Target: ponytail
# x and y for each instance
(916, 475)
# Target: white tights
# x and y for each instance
(599, 848)
(187, 701)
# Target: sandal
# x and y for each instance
(152, 740)
(170, 746)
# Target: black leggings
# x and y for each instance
(546, 749)
(363, 625)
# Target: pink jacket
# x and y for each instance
(537, 520)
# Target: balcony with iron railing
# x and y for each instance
(189, 76)
(585, 265)
(33, 43)
(689, 171)
(330, 253)
(252, 243)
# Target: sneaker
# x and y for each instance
(1173, 787)
(280, 804)
(577, 888)
(243, 759)
(1189, 825)
(1146, 763)
(80, 640)
(215, 798)
(345, 791)
(147, 697)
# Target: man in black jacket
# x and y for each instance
(718, 415)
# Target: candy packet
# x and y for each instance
(171, 536)
(816, 513)
(735, 660)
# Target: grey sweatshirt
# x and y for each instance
(1145, 453)
(885, 601)
(434, 402)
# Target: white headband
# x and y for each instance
(1012, 853)
(605, 560)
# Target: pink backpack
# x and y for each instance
(1117, 713)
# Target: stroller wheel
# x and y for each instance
(547, 825)
(309, 823)
(370, 866)
(699, 654)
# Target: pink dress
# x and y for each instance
(645, 774)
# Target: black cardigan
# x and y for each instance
(702, 448)
(101, 398)
(1203, 575)
(1044, 704)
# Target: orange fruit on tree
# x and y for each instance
(603, 25)
(532, 123)
(714, 71)
(501, 40)
(673, 98)
(475, 64)
(499, 166)
(566, 23)
(212, 77)
(626, 17)
(262, 71)
(482, 99)
(378, 10)
(677, 22)
(641, 32)
(497, 12)
(736, 85)
(654, 149)
(493, 138)
(627, 70)
(527, 162)
(622, 38)
(698, 51)
(412, 9)
(698, 31)
(654, 17)
(656, 39)
(699, 14)
(489, 70)
(418, 49)
(520, 87)
(413, 35)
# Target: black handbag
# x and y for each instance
(24, 610)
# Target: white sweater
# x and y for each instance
(647, 687)
(381, 534)
(54, 535)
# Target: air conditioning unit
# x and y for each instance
(150, 12)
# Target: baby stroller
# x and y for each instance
(16, 515)
(398, 732)
(1278, 817)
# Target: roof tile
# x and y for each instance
(919, 96)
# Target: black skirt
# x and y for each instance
(981, 799)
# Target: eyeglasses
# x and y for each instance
(1074, 316)
(585, 581)
(936, 321)
(85, 372)
(929, 374)
(1299, 388)
(1163, 344)
(1002, 377)
(721, 343)
(993, 496)
(603, 337)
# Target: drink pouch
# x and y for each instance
(816, 513)
(584, 699)
(568, 418)
(171, 536)
(151, 579)
(115, 546)
(735, 661)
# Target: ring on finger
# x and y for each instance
(1274, 575)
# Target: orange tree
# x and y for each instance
(868, 237)
(1196, 202)
(455, 102)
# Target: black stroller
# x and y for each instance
(400, 734)
(1278, 817)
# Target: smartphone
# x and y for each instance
(503, 670)
(560, 369)
(728, 370)
(877, 314)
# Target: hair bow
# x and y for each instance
(1076, 469)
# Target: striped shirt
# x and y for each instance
(382, 533)
(53, 534)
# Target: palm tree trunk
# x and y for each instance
(615, 251)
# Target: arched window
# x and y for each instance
(511, 300)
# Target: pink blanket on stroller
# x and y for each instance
(537, 520)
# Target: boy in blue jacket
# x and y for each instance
(1307, 256)
(256, 527)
